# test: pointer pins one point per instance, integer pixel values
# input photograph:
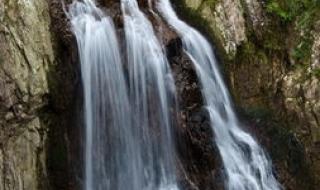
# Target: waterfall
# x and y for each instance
(128, 138)
(245, 163)
(109, 143)
(152, 95)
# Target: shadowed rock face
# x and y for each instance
(199, 161)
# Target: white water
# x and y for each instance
(109, 142)
(128, 141)
(245, 163)
(152, 94)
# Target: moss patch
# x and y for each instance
(289, 10)
(298, 15)
(194, 18)
(210, 3)
(316, 73)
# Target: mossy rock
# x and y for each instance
(194, 18)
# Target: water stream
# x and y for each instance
(152, 94)
(109, 141)
(128, 121)
(128, 137)
(245, 163)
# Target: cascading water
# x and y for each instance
(245, 163)
(152, 94)
(109, 140)
(128, 141)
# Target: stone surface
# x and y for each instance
(198, 163)
(26, 54)
(224, 19)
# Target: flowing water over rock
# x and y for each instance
(128, 124)
(109, 142)
(152, 94)
(245, 163)
(128, 141)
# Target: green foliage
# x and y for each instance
(303, 49)
(307, 17)
(288, 10)
(305, 23)
(303, 13)
(274, 7)
(249, 48)
(316, 73)
(210, 3)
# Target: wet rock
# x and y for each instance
(174, 48)
(198, 157)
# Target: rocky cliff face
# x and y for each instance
(25, 58)
(36, 85)
(270, 50)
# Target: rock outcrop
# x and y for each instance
(26, 56)
(225, 20)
